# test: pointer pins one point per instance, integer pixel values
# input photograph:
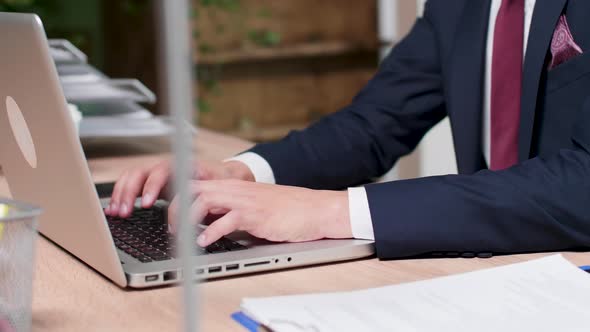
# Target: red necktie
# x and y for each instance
(506, 84)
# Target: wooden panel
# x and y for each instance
(296, 21)
(303, 50)
(280, 94)
(327, 52)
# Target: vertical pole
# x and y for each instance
(387, 31)
(387, 25)
(176, 66)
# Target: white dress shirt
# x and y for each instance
(360, 214)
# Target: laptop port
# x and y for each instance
(232, 267)
(256, 263)
(199, 271)
(151, 278)
(170, 275)
(215, 269)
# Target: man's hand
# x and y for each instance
(149, 182)
(271, 212)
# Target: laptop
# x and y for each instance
(44, 164)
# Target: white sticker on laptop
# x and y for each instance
(21, 132)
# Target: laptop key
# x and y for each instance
(232, 245)
(152, 252)
(142, 247)
(216, 247)
(144, 259)
(126, 238)
(137, 254)
(161, 246)
(130, 250)
(134, 242)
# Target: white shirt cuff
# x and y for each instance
(360, 215)
(258, 166)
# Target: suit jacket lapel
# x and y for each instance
(543, 25)
(467, 64)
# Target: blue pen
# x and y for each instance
(250, 324)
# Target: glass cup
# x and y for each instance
(17, 250)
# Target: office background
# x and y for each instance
(264, 67)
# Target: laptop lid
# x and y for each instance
(40, 152)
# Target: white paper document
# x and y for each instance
(547, 294)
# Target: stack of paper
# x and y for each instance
(548, 294)
(111, 109)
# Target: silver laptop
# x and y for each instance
(44, 164)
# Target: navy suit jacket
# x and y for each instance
(437, 70)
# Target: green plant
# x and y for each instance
(263, 37)
(208, 76)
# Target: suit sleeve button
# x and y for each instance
(485, 254)
(468, 254)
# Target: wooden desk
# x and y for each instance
(69, 296)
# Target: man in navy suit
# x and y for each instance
(514, 80)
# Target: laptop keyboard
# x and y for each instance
(145, 236)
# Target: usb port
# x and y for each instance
(232, 267)
(151, 278)
(199, 271)
(215, 269)
(170, 275)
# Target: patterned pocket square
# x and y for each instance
(563, 46)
